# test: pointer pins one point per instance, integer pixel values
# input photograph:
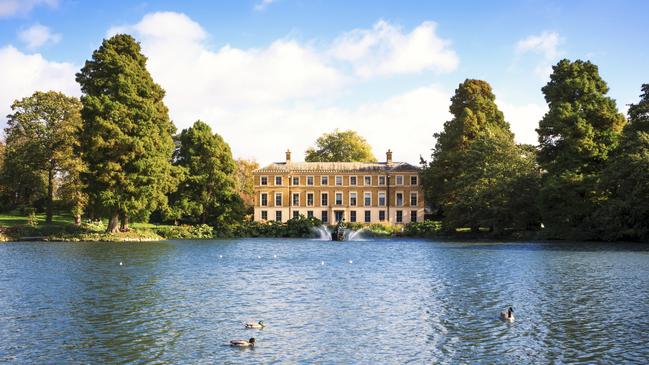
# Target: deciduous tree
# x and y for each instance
(208, 193)
(42, 132)
(345, 146)
(625, 181)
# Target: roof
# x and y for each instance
(336, 167)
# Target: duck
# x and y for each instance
(508, 315)
(259, 325)
(243, 343)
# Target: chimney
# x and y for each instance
(288, 156)
(388, 157)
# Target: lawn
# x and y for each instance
(13, 219)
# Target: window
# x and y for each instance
(278, 199)
(263, 199)
(296, 214)
(352, 180)
(367, 199)
(339, 199)
(399, 180)
(296, 199)
(399, 199)
(413, 216)
(413, 199)
(352, 199)
(352, 216)
(309, 214)
(324, 180)
(381, 180)
(325, 216)
(339, 180)
(338, 215)
(264, 180)
(399, 216)
(382, 215)
(278, 215)
(324, 199)
(278, 180)
(381, 198)
(309, 180)
(264, 215)
(367, 180)
(296, 181)
(368, 216)
(413, 180)
(309, 199)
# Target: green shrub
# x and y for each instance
(184, 231)
(423, 229)
(294, 227)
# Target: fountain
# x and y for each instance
(323, 233)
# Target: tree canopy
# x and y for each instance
(42, 135)
(208, 192)
(478, 176)
(126, 139)
(625, 181)
(576, 137)
(340, 146)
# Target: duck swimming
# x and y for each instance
(243, 343)
(259, 325)
(508, 315)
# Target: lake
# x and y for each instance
(391, 301)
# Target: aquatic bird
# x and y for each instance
(351, 262)
(120, 263)
(274, 256)
(321, 262)
(508, 315)
(258, 257)
(259, 325)
(243, 343)
(220, 256)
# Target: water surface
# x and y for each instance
(370, 302)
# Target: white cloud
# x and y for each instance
(13, 7)
(404, 123)
(263, 4)
(22, 74)
(38, 35)
(546, 45)
(284, 95)
(387, 50)
(523, 119)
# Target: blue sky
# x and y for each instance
(274, 75)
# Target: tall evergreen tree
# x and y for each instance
(476, 165)
(42, 132)
(126, 139)
(625, 213)
(576, 137)
(245, 182)
(208, 193)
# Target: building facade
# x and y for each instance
(363, 192)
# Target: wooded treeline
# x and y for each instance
(587, 179)
(114, 154)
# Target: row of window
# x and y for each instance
(338, 180)
(338, 215)
(338, 199)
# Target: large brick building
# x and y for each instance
(365, 192)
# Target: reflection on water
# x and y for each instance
(398, 301)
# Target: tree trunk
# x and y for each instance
(77, 220)
(113, 223)
(124, 222)
(50, 193)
